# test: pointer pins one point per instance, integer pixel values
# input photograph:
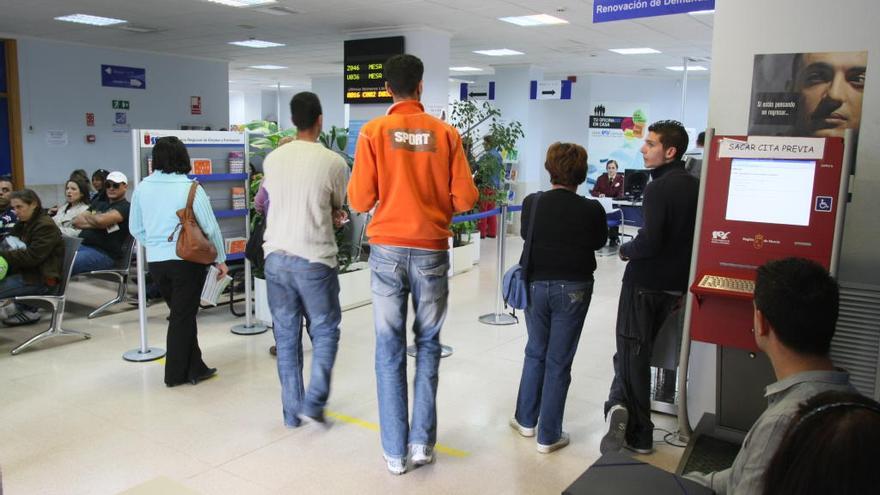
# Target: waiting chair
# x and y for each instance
(56, 301)
(119, 274)
(615, 219)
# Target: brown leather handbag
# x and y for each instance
(192, 245)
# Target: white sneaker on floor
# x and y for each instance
(419, 455)
(638, 450)
(22, 318)
(562, 442)
(522, 430)
(615, 438)
(395, 465)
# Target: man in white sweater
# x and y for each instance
(306, 184)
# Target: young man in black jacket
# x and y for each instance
(654, 282)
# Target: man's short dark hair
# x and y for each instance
(404, 73)
(672, 135)
(305, 108)
(800, 300)
(701, 139)
(170, 156)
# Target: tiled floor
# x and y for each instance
(75, 418)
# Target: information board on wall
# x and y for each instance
(364, 62)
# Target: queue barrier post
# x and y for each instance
(144, 352)
(249, 327)
(499, 317)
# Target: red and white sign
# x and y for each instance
(195, 105)
(90, 119)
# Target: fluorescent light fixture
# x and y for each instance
(702, 12)
(268, 67)
(679, 68)
(91, 20)
(242, 3)
(534, 20)
(500, 52)
(456, 80)
(465, 69)
(634, 51)
(273, 86)
(256, 43)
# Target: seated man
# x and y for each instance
(104, 228)
(7, 213)
(796, 306)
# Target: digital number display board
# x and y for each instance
(364, 68)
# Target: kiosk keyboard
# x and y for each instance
(728, 284)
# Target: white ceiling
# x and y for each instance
(314, 34)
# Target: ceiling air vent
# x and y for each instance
(277, 10)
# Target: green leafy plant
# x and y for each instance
(266, 136)
(461, 233)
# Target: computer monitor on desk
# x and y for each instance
(634, 182)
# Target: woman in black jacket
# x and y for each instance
(36, 268)
(568, 229)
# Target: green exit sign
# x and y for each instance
(120, 105)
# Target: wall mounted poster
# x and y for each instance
(817, 94)
(617, 131)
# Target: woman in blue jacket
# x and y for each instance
(153, 217)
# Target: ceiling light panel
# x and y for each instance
(634, 51)
(268, 67)
(91, 20)
(465, 69)
(499, 52)
(256, 43)
(679, 68)
(242, 3)
(534, 20)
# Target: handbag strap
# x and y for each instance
(192, 195)
(527, 249)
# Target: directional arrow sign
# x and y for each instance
(550, 90)
(484, 91)
(117, 76)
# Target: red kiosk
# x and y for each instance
(765, 198)
(761, 198)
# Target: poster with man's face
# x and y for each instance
(815, 94)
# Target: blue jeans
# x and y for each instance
(397, 273)
(298, 289)
(89, 259)
(15, 285)
(554, 319)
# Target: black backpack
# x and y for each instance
(254, 249)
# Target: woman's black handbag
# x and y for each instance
(254, 249)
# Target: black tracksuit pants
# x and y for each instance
(640, 314)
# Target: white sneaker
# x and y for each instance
(562, 442)
(638, 450)
(396, 466)
(614, 439)
(419, 455)
(522, 430)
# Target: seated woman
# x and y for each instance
(35, 269)
(77, 193)
(98, 180)
(610, 185)
(568, 228)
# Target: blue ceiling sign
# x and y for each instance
(617, 10)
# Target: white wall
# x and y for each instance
(744, 28)
(61, 82)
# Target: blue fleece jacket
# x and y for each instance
(153, 217)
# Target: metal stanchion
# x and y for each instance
(499, 317)
(249, 327)
(144, 352)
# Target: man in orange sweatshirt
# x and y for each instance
(412, 168)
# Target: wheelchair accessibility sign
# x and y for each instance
(823, 203)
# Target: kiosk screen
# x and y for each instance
(771, 191)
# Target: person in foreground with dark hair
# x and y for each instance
(306, 183)
(653, 284)
(36, 269)
(796, 307)
(104, 228)
(412, 168)
(7, 212)
(153, 223)
(77, 193)
(831, 446)
(568, 229)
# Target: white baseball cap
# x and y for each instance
(117, 177)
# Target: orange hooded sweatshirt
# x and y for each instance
(413, 165)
